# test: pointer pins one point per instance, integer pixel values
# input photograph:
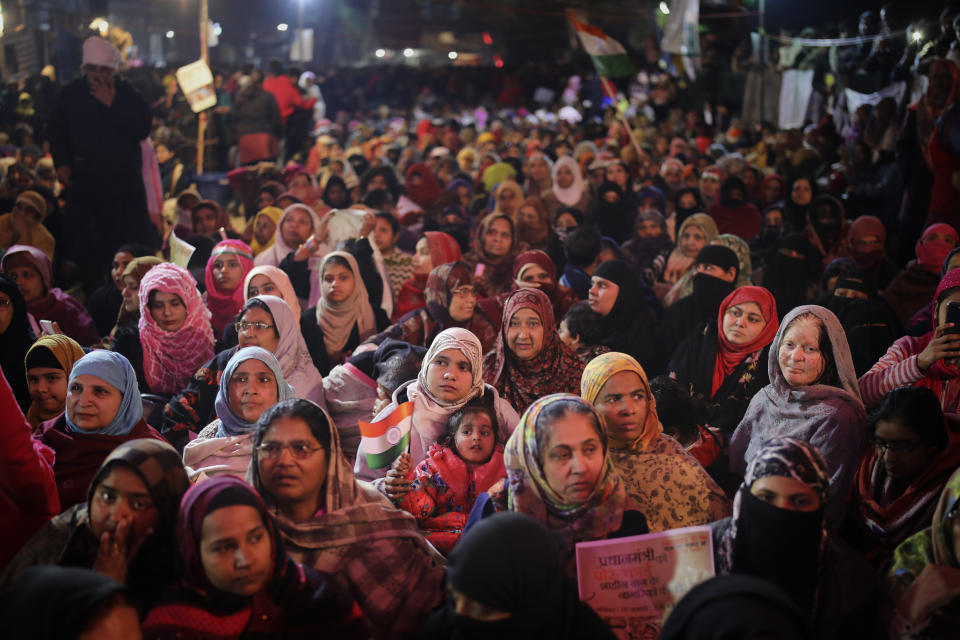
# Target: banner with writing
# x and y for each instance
(633, 583)
(180, 251)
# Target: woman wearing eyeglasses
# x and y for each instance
(173, 337)
(451, 295)
(251, 383)
(900, 478)
(266, 322)
(331, 522)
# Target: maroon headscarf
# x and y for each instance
(203, 499)
(429, 188)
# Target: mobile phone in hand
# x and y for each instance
(953, 315)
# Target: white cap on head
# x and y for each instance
(100, 52)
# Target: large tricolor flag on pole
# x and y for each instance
(385, 440)
(609, 57)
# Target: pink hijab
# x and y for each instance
(224, 306)
(170, 358)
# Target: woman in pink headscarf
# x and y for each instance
(913, 287)
(173, 337)
(227, 267)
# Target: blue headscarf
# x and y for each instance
(116, 371)
(230, 423)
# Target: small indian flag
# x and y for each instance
(609, 57)
(385, 440)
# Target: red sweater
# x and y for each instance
(28, 490)
(288, 96)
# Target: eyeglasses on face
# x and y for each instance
(298, 449)
(896, 446)
(466, 290)
(246, 326)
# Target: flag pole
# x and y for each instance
(205, 55)
(611, 90)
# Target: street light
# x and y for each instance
(170, 34)
(452, 55)
(408, 53)
(664, 9)
(282, 26)
(380, 53)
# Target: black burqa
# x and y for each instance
(687, 315)
(615, 212)
(792, 266)
(869, 322)
(510, 562)
(56, 603)
(629, 327)
(14, 343)
(735, 606)
(106, 199)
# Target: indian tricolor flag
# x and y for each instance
(385, 440)
(608, 56)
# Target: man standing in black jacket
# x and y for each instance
(95, 133)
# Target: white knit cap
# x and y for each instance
(98, 51)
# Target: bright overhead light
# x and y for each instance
(408, 53)
(170, 34)
(664, 9)
(217, 29)
(282, 26)
(380, 53)
(452, 55)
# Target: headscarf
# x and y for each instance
(337, 319)
(740, 247)
(510, 562)
(160, 468)
(280, 249)
(438, 292)
(443, 247)
(359, 536)
(280, 280)
(274, 213)
(729, 355)
(555, 369)
(604, 367)
(55, 351)
(571, 195)
(615, 219)
(786, 276)
(927, 113)
(311, 195)
(170, 358)
(801, 531)
(682, 213)
(53, 602)
(116, 371)
(629, 311)
(223, 220)
(16, 341)
(772, 177)
(230, 423)
(430, 413)
(291, 352)
(429, 188)
(863, 227)
(678, 263)
(479, 251)
(735, 606)
(940, 372)
(508, 185)
(529, 492)
(336, 181)
(224, 306)
(495, 174)
(137, 268)
(201, 500)
(537, 235)
(931, 255)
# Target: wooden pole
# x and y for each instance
(611, 90)
(205, 56)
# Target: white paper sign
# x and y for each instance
(196, 82)
(180, 251)
(633, 583)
